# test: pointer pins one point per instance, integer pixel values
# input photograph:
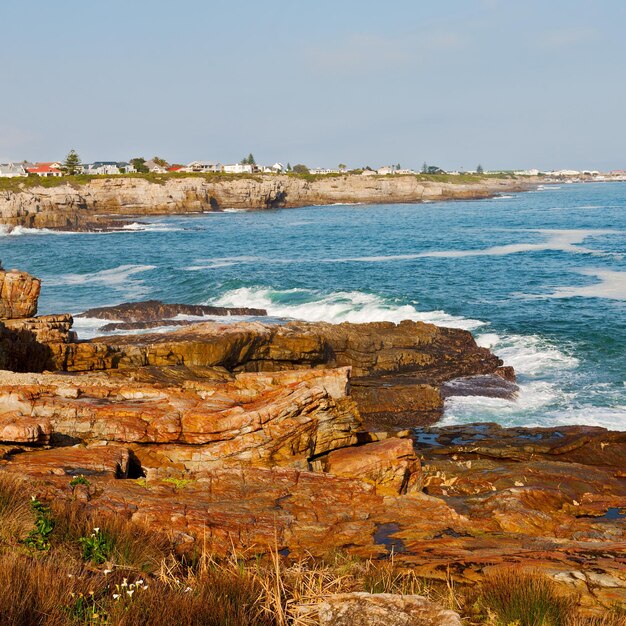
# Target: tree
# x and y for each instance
(398, 167)
(341, 167)
(425, 168)
(300, 169)
(160, 161)
(479, 169)
(251, 160)
(72, 164)
(139, 163)
(289, 167)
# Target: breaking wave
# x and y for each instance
(336, 307)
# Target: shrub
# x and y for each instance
(515, 596)
(39, 537)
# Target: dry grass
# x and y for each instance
(16, 515)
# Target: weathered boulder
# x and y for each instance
(390, 465)
(383, 609)
(19, 293)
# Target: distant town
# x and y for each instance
(72, 166)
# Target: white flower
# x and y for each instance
(139, 582)
(145, 587)
(130, 592)
(188, 589)
(116, 596)
(107, 571)
(125, 582)
(96, 530)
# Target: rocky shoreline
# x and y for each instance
(307, 437)
(109, 203)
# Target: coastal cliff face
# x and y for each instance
(88, 205)
(257, 437)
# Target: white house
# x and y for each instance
(277, 168)
(385, 170)
(203, 167)
(404, 172)
(239, 168)
(369, 173)
(323, 170)
(12, 170)
(107, 168)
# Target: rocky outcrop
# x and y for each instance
(397, 368)
(96, 203)
(19, 293)
(258, 437)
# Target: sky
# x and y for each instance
(456, 83)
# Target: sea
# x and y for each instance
(538, 277)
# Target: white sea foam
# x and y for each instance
(558, 240)
(530, 355)
(141, 228)
(17, 231)
(611, 285)
(353, 306)
(209, 264)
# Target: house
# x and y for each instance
(369, 173)
(385, 170)
(404, 172)
(155, 168)
(203, 167)
(277, 168)
(47, 169)
(239, 168)
(107, 168)
(323, 170)
(175, 168)
(12, 170)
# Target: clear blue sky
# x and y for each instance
(455, 83)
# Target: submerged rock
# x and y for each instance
(155, 310)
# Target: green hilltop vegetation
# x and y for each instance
(24, 183)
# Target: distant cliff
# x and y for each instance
(93, 204)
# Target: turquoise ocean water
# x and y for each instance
(538, 277)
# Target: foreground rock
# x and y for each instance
(383, 609)
(91, 205)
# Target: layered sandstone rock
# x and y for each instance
(397, 368)
(83, 206)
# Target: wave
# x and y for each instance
(530, 355)
(336, 307)
(17, 231)
(121, 279)
(159, 228)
